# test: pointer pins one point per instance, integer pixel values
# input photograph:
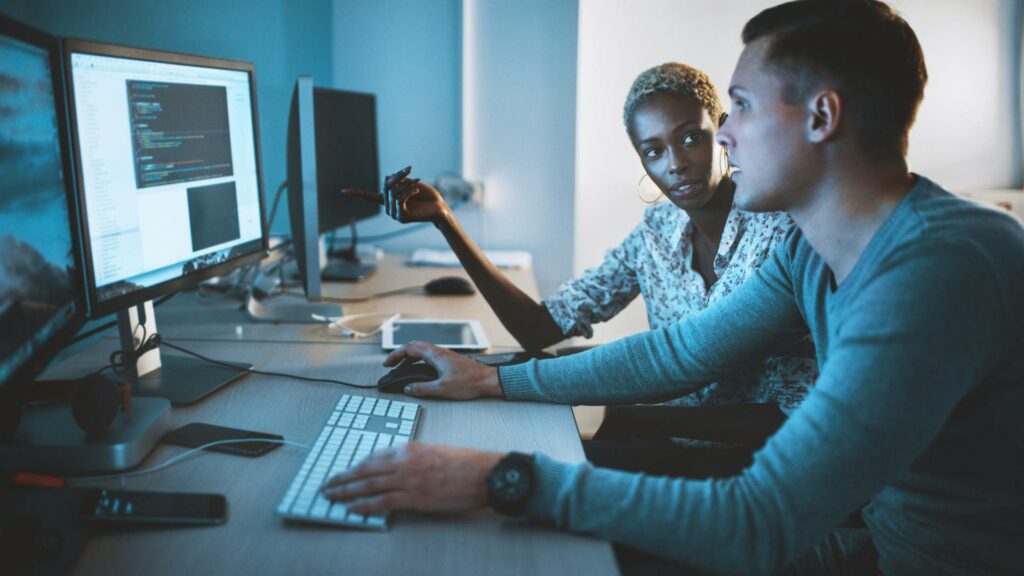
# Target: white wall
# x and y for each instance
(966, 136)
(519, 97)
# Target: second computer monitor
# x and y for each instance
(168, 166)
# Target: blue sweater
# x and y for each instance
(919, 408)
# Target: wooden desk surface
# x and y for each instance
(255, 540)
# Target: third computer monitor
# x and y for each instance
(332, 145)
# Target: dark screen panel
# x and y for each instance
(346, 155)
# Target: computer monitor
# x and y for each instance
(332, 144)
(169, 182)
(342, 125)
(42, 300)
(41, 297)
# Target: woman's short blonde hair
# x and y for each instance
(673, 78)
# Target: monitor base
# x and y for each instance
(184, 380)
(290, 310)
(49, 440)
(344, 270)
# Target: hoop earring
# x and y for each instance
(724, 163)
(640, 194)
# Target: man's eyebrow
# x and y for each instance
(734, 88)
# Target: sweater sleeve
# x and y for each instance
(759, 318)
(600, 292)
(896, 370)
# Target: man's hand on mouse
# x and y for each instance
(459, 378)
(415, 476)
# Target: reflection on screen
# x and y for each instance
(36, 260)
(440, 334)
(168, 163)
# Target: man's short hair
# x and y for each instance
(864, 48)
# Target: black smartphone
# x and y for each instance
(197, 434)
(130, 507)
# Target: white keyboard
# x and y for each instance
(357, 426)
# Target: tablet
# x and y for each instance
(453, 334)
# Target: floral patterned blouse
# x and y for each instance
(655, 261)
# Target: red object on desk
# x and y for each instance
(39, 480)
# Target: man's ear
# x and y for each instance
(825, 109)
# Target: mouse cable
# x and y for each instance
(160, 341)
(192, 452)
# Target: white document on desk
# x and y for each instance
(447, 258)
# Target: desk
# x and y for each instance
(255, 540)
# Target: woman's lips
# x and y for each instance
(686, 190)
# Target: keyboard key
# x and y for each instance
(342, 402)
(381, 408)
(367, 406)
(409, 412)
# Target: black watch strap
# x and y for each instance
(511, 483)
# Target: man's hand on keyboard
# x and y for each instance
(417, 477)
(459, 378)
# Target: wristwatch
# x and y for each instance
(510, 484)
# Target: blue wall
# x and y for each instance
(408, 53)
(282, 38)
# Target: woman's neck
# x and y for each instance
(709, 220)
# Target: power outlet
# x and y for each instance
(457, 191)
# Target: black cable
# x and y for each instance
(160, 341)
(273, 209)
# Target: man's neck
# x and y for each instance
(848, 207)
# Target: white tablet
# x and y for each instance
(453, 334)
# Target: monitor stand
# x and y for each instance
(49, 440)
(181, 379)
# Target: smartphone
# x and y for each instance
(130, 507)
(196, 434)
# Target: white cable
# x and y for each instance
(185, 455)
(338, 324)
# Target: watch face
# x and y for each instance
(510, 484)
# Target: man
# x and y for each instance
(915, 301)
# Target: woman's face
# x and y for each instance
(675, 138)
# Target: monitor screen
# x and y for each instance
(346, 155)
(168, 164)
(39, 277)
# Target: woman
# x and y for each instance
(684, 255)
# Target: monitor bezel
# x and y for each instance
(46, 351)
(97, 307)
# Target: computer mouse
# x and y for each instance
(394, 382)
(449, 285)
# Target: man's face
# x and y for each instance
(766, 137)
